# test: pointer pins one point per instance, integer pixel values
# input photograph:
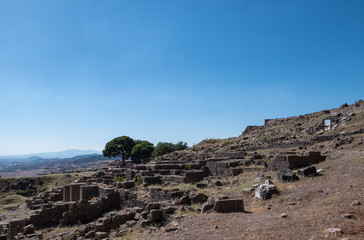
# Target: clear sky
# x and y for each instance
(75, 74)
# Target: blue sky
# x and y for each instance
(75, 74)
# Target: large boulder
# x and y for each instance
(265, 191)
(153, 205)
(207, 207)
(286, 174)
(101, 235)
(29, 229)
(307, 171)
(184, 200)
(197, 198)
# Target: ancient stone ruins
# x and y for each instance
(92, 197)
(134, 195)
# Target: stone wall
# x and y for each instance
(80, 211)
(158, 194)
(169, 166)
(223, 168)
(295, 161)
(149, 180)
(105, 191)
(15, 227)
(174, 178)
(89, 192)
(86, 211)
(50, 216)
(75, 192)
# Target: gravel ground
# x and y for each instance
(320, 203)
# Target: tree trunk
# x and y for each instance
(123, 157)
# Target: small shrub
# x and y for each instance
(27, 192)
(120, 179)
(188, 166)
(138, 180)
(211, 140)
(226, 143)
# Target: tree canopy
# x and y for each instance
(142, 151)
(119, 147)
(180, 146)
(167, 147)
(139, 150)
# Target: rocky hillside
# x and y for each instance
(299, 132)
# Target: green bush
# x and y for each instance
(188, 166)
(166, 147)
(27, 192)
(138, 180)
(120, 179)
(142, 151)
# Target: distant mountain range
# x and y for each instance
(37, 166)
(47, 155)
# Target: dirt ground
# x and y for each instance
(313, 205)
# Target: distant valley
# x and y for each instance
(52, 162)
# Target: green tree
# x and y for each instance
(163, 148)
(142, 151)
(119, 147)
(181, 146)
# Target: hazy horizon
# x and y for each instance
(76, 74)
(63, 154)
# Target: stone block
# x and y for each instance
(140, 167)
(153, 205)
(120, 218)
(169, 166)
(15, 227)
(168, 210)
(128, 184)
(229, 205)
(156, 215)
(236, 171)
(66, 193)
(174, 178)
(149, 180)
(75, 192)
(101, 235)
(193, 176)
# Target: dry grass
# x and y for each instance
(59, 180)
(134, 234)
(10, 202)
(58, 230)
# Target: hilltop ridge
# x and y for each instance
(296, 131)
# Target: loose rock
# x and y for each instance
(265, 191)
(286, 175)
(307, 171)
